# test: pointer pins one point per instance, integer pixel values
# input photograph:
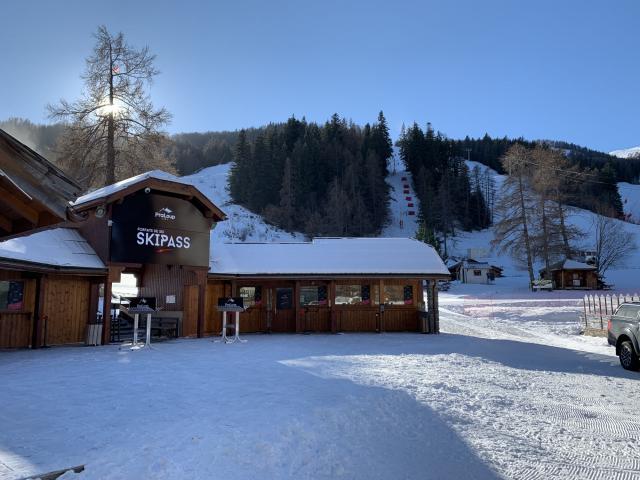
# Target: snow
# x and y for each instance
(626, 152)
(121, 185)
(328, 256)
(241, 224)
(63, 247)
(624, 278)
(630, 196)
(508, 390)
(399, 205)
(572, 265)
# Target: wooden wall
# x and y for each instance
(317, 318)
(16, 327)
(66, 308)
(161, 280)
(563, 279)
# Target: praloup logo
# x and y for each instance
(165, 214)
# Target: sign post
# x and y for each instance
(231, 304)
(141, 307)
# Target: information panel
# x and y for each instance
(155, 228)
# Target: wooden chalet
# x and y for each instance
(571, 275)
(57, 267)
(330, 284)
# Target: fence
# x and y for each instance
(597, 308)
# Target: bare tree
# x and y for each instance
(614, 243)
(514, 208)
(113, 129)
(551, 174)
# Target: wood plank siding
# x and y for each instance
(65, 303)
(16, 327)
(265, 316)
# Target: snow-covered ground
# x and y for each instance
(630, 195)
(507, 390)
(241, 224)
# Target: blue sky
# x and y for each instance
(539, 69)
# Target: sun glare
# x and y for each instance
(107, 108)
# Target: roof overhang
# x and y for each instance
(24, 266)
(184, 190)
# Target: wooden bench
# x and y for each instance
(164, 327)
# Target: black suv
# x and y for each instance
(623, 331)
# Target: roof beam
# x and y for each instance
(6, 224)
(20, 207)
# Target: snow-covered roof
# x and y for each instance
(569, 264)
(474, 264)
(121, 185)
(328, 256)
(60, 247)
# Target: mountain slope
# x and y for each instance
(624, 278)
(241, 224)
(626, 152)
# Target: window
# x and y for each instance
(11, 295)
(477, 273)
(252, 296)
(398, 295)
(357, 294)
(313, 296)
(628, 311)
(348, 294)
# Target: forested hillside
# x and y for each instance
(197, 150)
(328, 179)
(450, 197)
(41, 138)
(596, 173)
(318, 179)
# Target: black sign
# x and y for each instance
(154, 228)
(15, 296)
(231, 304)
(284, 298)
(135, 302)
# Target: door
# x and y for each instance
(281, 309)
(190, 311)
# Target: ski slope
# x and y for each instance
(403, 200)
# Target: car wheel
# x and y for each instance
(628, 356)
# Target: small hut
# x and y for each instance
(571, 275)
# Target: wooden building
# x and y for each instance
(572, 275)
(330, 284)
(58, 264)
(33, 192)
